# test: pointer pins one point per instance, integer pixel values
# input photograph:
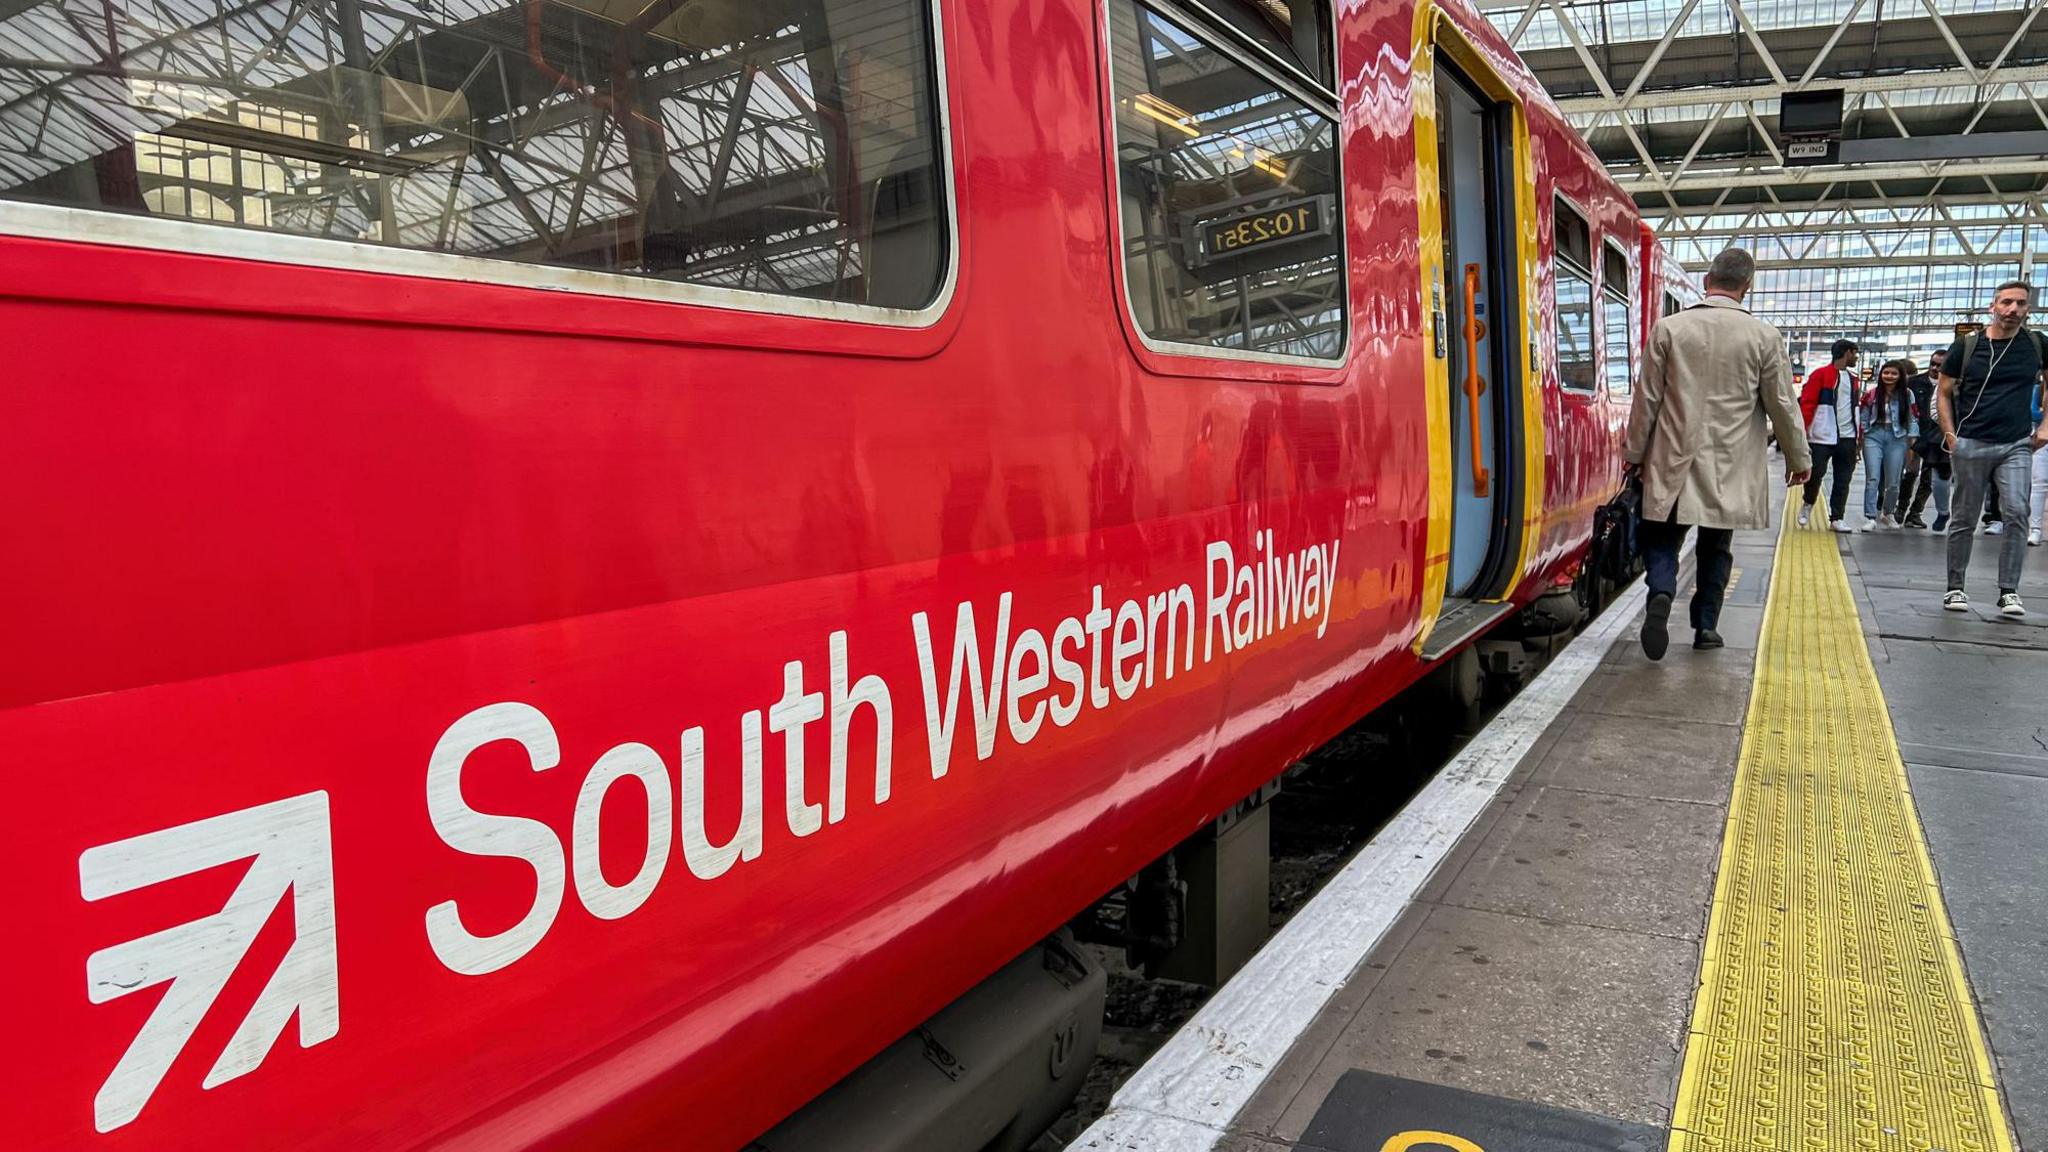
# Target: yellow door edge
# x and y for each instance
(1433, 33)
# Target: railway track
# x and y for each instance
(1330, 805)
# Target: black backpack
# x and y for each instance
(1970, 352)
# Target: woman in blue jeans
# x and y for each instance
(1889, 421)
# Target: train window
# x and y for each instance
(788, 147)
(1297, 32)
(1671, 305)
(1615, 325)
(1574, 236)
(1229, 197)
(1572, 282)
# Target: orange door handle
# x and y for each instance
(1475, 385)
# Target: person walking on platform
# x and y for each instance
(1889, 421)
(1827, 407)
(2040, 474)
(1935, 458)
(1712, 375)
(1989, 427)
(1920, 474)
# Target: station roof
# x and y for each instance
(1681, 99)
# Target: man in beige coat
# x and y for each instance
(1711, 376)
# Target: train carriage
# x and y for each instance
(577, 569)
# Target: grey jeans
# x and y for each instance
(1980, 464)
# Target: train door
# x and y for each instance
(1480, 340)
(1475, 214)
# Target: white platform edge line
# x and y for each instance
(1184, 1098)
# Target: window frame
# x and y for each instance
(179, 236)
(1210, 15)
(1559, 262)
(1172, 357)
(1609, 245)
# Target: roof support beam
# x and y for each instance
(1897, 82)
(1571, 31)
(1909, 148)
(1828, 48)
(1633, 181)
(1906, 228)
(1854, 208)
(1981, 260)
(1763, 50)
(1954, 45)
(2026, 22)
(1522, 25)
(1664, 45)
(1770, 141)
(1712, 123)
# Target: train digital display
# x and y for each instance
(1275, 225)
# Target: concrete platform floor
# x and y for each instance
(1553, 957)
(1968, 695)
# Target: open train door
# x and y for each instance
(1478, 246)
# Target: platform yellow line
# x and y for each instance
(1833, 1011)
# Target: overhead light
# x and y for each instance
(1176, 118)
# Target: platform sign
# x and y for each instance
(1810, 127)
(1368, 1112)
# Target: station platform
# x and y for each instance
(1792, 894)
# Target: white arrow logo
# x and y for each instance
(293, 852)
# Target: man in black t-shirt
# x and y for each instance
(1987, 422)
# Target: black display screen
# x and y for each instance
(1276, 224)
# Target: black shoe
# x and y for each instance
(1707, 638)
(1656, 633)
(1915, 522)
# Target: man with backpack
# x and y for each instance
(1987, 422)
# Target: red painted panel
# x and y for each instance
(277, 530)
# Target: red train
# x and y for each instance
(576, 569)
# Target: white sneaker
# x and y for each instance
(1995, 528)
(1956, 600)
(2009, 604)
(1886, 522)
(1805, 515)
(1870, 526)
(2034, 538)
(1839, 526)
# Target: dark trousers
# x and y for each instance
(1920, 475)
(1843, 456)
(1715, 558)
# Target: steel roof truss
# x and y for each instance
(1763, 50)
(1954, 45)
(1828, 49)
(1657, 54)
(1593, 69)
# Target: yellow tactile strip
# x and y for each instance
(1833, 1013)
